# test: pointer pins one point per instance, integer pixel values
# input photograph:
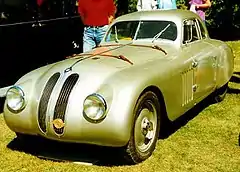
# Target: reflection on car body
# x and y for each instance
(149, 66)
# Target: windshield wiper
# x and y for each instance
(116, 35)
(89, 55)
(118, 57)
(160, 33)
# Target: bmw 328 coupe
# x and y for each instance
(150, 66)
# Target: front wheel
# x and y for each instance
(145, 129)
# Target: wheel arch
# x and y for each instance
(161, 100)
(130, 152)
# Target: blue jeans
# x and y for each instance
(92, 36)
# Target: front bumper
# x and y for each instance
(107, 133)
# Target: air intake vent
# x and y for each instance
(61, 105)
(42, 109)
(187, 83)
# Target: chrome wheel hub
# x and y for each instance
(145, 128)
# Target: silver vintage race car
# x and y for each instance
(150, 66)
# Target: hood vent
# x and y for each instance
(62, 102)
(42, 109)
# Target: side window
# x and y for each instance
(190, 33)
(202, 30)
(194, 32)
(17, 11)
(50, 9)
(72, 8)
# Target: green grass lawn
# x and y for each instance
(207, 142)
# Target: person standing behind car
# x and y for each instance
(96, 15)
(166, 4)
(146, 5)
(199, 7)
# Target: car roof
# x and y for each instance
(169, 15)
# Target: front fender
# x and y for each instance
(126, 92)
(25, 118)
(225, 65)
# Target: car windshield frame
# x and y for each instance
(142, 30)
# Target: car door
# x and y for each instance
(59, 27)
(203, 60)
(17, 19)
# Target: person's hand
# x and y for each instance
(110, 19)
(193, 8)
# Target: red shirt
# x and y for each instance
(96, 12)
(39, 2)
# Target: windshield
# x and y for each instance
(139, 30)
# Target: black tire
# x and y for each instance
(220, 93)
(146, 128)
(2, 100)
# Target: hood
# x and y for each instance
(106, 60)
(103, 62)
(113, 58)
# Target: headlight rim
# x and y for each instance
(22, 94)
(100, 97)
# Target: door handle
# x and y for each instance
(40, 24)
(194, 63)
(37, 25)
(214, 57)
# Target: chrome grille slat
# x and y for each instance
(61, 105)
(42, 109)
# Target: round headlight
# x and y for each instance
(94, 107)
(15, 99)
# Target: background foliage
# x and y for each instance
(224, 15)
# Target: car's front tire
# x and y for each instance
(145, 129)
